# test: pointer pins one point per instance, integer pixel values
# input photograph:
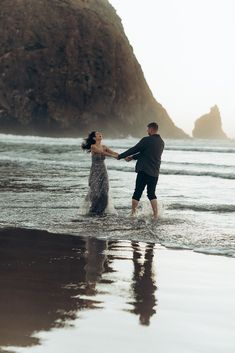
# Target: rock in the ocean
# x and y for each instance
(67, 67)
(209, 126)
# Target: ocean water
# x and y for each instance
(43, 183)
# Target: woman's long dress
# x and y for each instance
(98, 194)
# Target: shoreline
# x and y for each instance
(155, 241)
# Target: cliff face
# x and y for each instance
(209, 126)
(67, 67)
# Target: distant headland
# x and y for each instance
(209, 126)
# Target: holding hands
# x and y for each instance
(129, 158)
(93, 144)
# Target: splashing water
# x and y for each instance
(44, 182)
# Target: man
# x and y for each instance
(148, 153)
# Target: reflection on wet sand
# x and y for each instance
(96, 263)
(46, 280)
(143, 283)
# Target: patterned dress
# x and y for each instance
(98, 194)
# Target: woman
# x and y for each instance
(98, 195)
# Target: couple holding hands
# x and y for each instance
(147, 152)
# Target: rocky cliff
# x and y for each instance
(67, 67)
(209, 126)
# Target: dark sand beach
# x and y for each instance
(62, 293)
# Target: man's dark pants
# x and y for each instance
(142, 180)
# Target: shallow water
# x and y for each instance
(43, 184)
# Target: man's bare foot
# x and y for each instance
(155, 217)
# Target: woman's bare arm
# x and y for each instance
(109, 152)
(105, 151)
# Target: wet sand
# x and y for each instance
(65, 294)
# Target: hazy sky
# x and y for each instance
(187, 53)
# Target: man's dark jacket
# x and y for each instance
(148, 153)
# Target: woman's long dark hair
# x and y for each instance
(86, 145)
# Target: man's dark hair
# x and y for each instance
(153, 126)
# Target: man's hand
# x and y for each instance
(128, 159)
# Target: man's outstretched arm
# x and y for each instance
(133, 150)
(134, 157)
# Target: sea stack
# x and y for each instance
(209, 126)
(67, 67)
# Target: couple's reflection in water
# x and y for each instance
(143, 285)
(47, 280)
